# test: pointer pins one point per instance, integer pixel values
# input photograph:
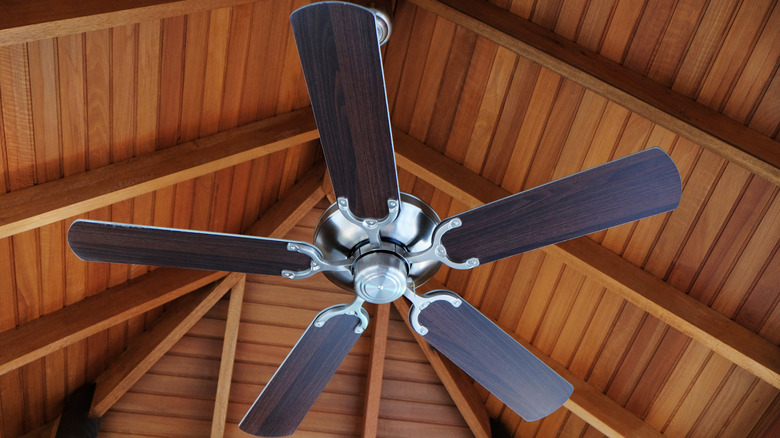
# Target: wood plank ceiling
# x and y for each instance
(193, 114)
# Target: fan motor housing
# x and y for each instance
(379, 275)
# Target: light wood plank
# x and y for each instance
(701, 323)
(228, 357)
(732, 140)
(45, 203)
(641, 288)
(153, 344)
(40, 19)
(376, 367)
(462, 391)
(39, 337)
(297, 202)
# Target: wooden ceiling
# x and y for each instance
(194, 114)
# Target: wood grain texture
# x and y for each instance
(227, 360)
(301, 378)
(606, 268)
(696, 320)
(139, 357)
(34, 20)
(297, 202)
(64, 327)
(676, 112)
(376, 367)
(494, 359)
(340, 56)
(60, 199)
(621, 191)
(175, 248)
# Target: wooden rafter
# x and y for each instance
(684, 116)
(151, 345)
(641, 288)
(39, 337)
(376, 367)
(60, 199)
(38, 19)
(228, 357)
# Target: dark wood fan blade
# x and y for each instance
(135, 244)
(300, 379)
(621, 191)
(494, 359)
(339, 52)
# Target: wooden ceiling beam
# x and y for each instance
(703, 324)
(35, 206)
(152, 344)
(39, 337)
(455, 381)
(684, 116)
(376, 368)
(227, 359)
(30, 20)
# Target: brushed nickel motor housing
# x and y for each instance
(339, 239)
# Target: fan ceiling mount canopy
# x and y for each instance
(384, 244)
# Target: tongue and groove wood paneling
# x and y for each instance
(553, 129)
(76, 102)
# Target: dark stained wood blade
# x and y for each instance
(291, 392)
(494, 359)
(621, 191)
(339, 52)
(134, 244)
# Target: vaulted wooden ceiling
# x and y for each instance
(194, 114)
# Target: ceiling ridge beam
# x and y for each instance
(152, 344)
(684, 116)
(30, 20)
(39, 337)
(60, 199)
(697, 320)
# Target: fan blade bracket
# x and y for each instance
(372, 227)
(420, 302)
(318, 262)
(438, 252)
(354, 309)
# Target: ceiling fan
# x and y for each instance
(383, 244)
